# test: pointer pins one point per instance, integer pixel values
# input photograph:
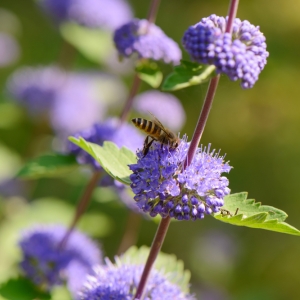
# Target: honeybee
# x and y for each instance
(156, 132)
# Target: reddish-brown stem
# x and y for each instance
(202, 120)
(155, 248)
(137, 81)
(210, 94)
(232, 10)
(153, 11)
(164, 224)
(81, 207)
(131, 232)
(128, 104)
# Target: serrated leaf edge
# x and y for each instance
(91, 151)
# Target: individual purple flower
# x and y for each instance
(240, 55)
(9, 50)
(166, 107)
(146, 40)
(108, 14)
(119, 282)
(47, 265)
(73, 100)
(162, 187)
(36, 88)
(109, 130)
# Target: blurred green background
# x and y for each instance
(257, 128)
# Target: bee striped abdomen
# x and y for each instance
(156, 132)
(140, 123)
(148, 126)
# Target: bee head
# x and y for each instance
(176, 143)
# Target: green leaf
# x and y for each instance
(150, 73)
(60, 292)
(167, 264)
(22, 289)
(240, 211)
(95, 44)
(113, 160)
(187, 74)
(48, 165)
(10, 162)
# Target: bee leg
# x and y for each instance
(147, 145)
(166, 143)
(146, 142)
(145, 148)
(162, 143)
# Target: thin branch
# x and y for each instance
(81, 207)
(155, 248)
(131, 232)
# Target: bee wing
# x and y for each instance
(157, 122)
(161, 126)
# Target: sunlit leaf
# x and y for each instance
(150, 73)
(10, 162)
(113, 160)
(187, 74)
(60, 292)
(240, 211)
(166, 263)
(95, 44)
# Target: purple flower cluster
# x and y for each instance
(47, 265)
(160, 104)
(146, 40)
(108, 14)
(73, 101)
(109, 130)
(120, 281)
(240, 55)
(161, 187)
(36, 88)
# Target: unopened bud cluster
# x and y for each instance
(240, 55)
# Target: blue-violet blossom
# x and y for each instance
(120, 281)
(48, 265)
(240, 55)
(107, 14)
(162, 187)
(147, 40)
(36, 88)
